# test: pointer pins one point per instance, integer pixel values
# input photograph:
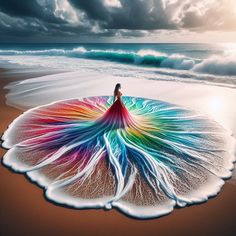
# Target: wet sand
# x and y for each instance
(25, 211)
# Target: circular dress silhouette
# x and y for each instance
(139, 155)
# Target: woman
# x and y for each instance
(117, 115)
(117, 92)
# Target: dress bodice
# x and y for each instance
(119, 94)
(117, 116)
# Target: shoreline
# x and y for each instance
(216, 216)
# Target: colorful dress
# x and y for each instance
(140, 155)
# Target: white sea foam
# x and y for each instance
(123, 70)
(214, 65)
(225, 65)
(214, 101)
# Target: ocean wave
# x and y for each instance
(216, 65)
(141, 57)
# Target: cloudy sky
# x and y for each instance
(118, 21)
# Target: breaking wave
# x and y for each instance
(216, 65)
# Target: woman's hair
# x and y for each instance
(118, 86)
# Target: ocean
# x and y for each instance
(197, 63)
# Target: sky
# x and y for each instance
(141, 21)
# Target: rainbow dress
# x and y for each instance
(139, 155)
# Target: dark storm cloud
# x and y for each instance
(20, 8)
(193, 20)
(28, 8)
(95, 9)
(72, 19)
(32, 17)
(132, 14)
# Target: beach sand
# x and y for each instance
(25, 211)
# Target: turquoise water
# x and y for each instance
(214, 63)
(190, 50)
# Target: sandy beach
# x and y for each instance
(25, 211)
